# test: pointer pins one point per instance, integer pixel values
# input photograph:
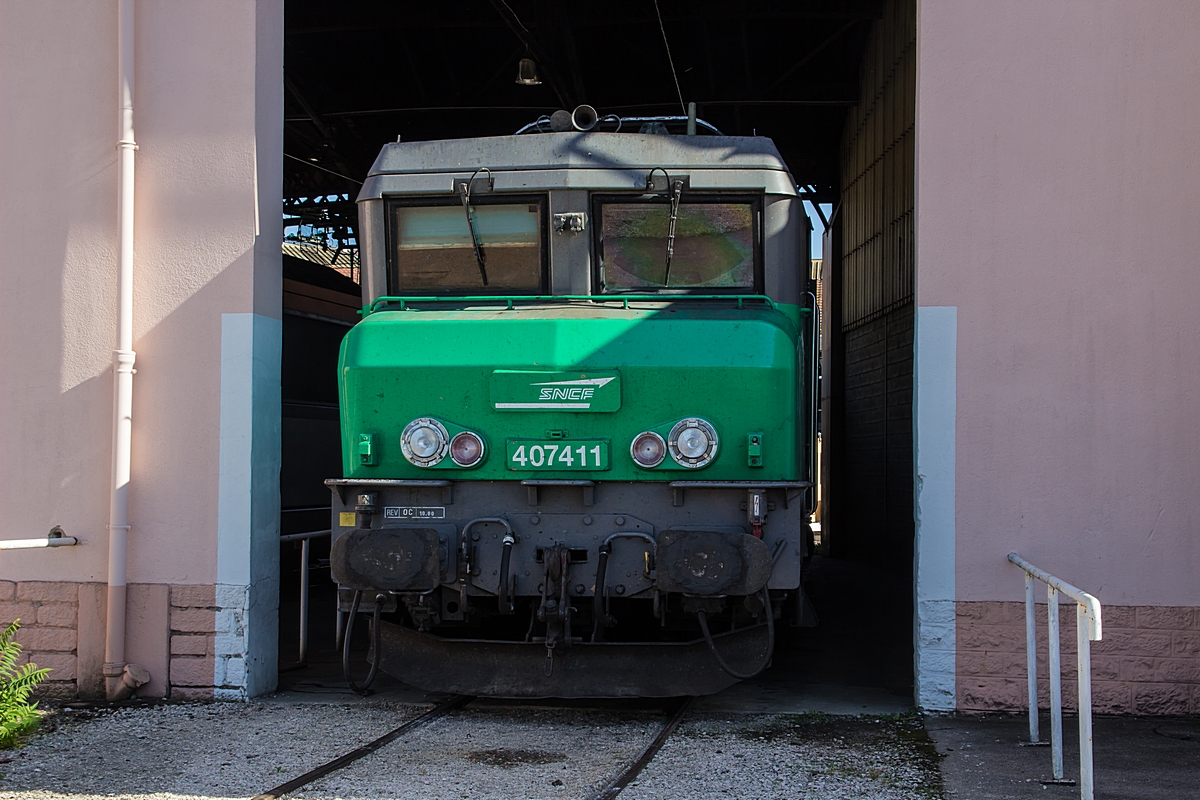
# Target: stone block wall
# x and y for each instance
(62, 627)
(193, 630)
(1148, 661)
(208, 642)
(49, 614)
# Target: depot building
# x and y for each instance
(1004, 197)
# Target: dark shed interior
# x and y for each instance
(832, 82)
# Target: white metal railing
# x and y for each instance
(1087, 630)
(56, 538)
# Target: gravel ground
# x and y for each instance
(185, 751)
(792, 757)
(499, 753)
(482, 752)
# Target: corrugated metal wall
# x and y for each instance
(877, 174)
(875, 488)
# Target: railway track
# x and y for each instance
(634, 769)
(613, 788)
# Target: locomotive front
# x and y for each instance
(577, 416)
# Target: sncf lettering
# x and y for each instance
(571, 393)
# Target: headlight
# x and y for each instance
(466, 449)
(648, 449)
(693, 443)
(424, 441)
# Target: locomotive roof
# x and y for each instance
(579, 150)
(605, 152)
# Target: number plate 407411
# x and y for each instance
(558, 455)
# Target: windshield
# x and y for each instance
(713, 246)
(431, 248)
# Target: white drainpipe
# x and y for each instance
(122, 679)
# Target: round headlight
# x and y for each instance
(693, 443)
(466, 449)
(424, 441)
(648, 449)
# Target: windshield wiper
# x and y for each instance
(464, 192)
(676, 192)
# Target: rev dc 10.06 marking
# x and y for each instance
(414, 512)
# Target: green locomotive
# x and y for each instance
(578, 413)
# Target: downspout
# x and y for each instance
(122, 679)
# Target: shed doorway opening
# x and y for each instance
(832, 83)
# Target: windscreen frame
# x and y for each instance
(391, 202)
(757, 208)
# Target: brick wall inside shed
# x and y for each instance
(1148, 661)
(878, 478)
(871, 305)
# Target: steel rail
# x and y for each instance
(441, 710)
(610, 790)
(617, 784)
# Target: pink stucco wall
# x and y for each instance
(1058, 197)
(195, 120)
(208, 121)
(58, 319)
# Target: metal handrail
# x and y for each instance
(536, 125)
(28, 544)
(304, 538)
(1087, 630)
(56, 538)
(595, 298)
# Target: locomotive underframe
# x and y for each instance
(455, 629)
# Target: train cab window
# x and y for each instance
(431, 251)
(714, 249)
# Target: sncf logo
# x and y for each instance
(575, 394)
(572, 393)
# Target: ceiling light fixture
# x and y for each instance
(527, 73)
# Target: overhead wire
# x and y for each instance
(323, 169)
(514, 14)
(670, 60)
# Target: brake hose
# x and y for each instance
(599, 620)
(600, 617)
(504, 598)
(703, 618)
(365, 688)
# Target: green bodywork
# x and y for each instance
(743, 366)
